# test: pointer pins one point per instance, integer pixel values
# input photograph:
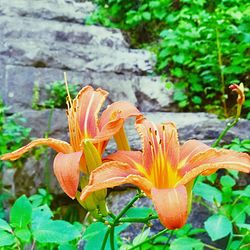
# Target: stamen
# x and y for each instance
(155, 132)
(67, 88)
(163, 127)
(150, 143)
(150, 130)
(160, 141)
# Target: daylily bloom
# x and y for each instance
(165, 171)
(239, 89)
(83, 123)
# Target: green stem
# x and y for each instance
(169, 237)
(224, 132)
(149, 239)
(126, 208)
(112, 237)
(229, 241)
(221, 72)
(139, 220)
(46, 135)
(211, 247)
(117, 218)
(105, 239)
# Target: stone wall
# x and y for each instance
(42, 39)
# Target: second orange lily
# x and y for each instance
(164, 170)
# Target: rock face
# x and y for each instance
(42, 39)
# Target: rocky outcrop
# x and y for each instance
(42, 39)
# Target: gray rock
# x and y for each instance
(60, 10)
(152, 95)
(53, 31)
(74, 57)
(19, 77)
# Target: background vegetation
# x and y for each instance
(202, 46)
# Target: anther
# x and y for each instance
(160, 142)
(155, 132)
(150, 143)
(150, 130)
(163, 127)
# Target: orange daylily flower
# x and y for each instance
(165, 171)
(239, 89)
(83, 123)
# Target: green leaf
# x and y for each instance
(218, 226)
(235, 245)
(212, 177)
(154, 4)
(57, 231)
(20, 213)
(146, 16)
(5, 226)
(40, 215)
(94, 235)
(6, 239)
(227, 181)
(67, 247)
(177, 72)
(207, 192)
(245, 192)
(189, 243)
(141, 237)
(23, 234)
(246, 226)
(238, 213)
(196, 99)
(179, 95)
(179, 58)
(135, 212)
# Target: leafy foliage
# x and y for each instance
(239, 145)
(201, 45)
(230, 207)
(32, 222)
(12, 133)
(56, 95)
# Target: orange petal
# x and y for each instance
(112, 174)
(160, 146)
(192, 147)
(171, 205)
(57, 145)
(132, 158)
(116, 111)
(66, 169)
(213, 159)
(108, 130)
(88, 104)
(112, 119)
